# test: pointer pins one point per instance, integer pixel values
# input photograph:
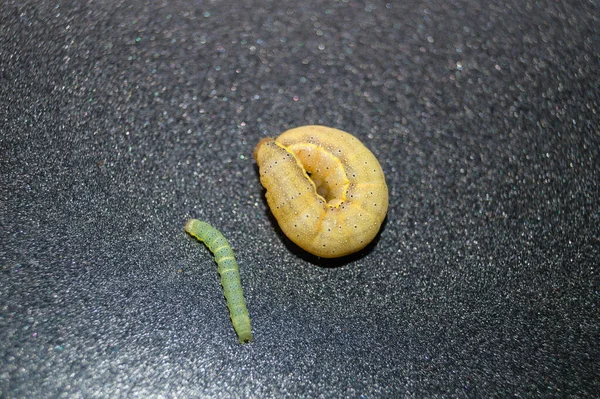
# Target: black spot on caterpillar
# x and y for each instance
(229, 272)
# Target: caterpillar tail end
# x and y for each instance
(189, 226)
(245, 337)
(242, 327)
(260, 143)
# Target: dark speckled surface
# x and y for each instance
(120, 120)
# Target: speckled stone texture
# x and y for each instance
(121, 120)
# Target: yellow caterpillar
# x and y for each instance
(324, 187)
(229, 272)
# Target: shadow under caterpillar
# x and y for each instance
(230, 275)
(326, 189)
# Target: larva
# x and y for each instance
(229, 272)
(324, 187)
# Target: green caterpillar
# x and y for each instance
(229, 272)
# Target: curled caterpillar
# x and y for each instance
(229, 272)
(324, 187)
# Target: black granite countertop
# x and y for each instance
(120, 120)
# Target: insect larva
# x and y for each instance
(324, 187)
(229, 272)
